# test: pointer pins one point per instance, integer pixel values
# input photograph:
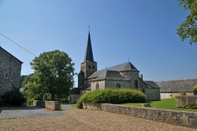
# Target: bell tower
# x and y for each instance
(89, 66)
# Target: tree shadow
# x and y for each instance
(20, 108)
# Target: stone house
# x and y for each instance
(124, 75)
(10, 71)
(172, 88)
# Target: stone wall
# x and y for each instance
(152, 94)
(51, 105)
(10, 70)
(180, 118)
(186, 101)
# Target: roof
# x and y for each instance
(89, 54)
(114, 70)
(78, 90)
(110, 75)
(177, 85)
(151, 84)
(11, 55)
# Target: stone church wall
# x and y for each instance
(132, 76)
(101, 85)
(113, 84)
(10, 71)
(152, 94)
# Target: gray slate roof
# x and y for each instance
(177, 85)
(112, 73)
(151, 84)
(79, 89)
(89, 54)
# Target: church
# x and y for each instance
(124, 75)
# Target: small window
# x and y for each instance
(143, 91)
(89, 67)
(97, 86)
(92, 67)
(118, 85)
(136, 84)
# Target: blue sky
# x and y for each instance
(142, 30)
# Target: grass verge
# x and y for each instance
(73, 105)
(163, 104)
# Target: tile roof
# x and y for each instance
(177, 85)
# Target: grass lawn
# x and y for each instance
(163, 104)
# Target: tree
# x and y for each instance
(25, 79)
(53, 74)
(188, 29)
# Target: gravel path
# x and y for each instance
(86, 120)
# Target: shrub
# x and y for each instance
(14, 98)
(195, 87)
(115, 96)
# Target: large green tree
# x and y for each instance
(188, 29)
(54, 71)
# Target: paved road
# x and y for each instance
(30, 111)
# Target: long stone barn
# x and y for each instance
(10, 72)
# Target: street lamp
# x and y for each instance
(57, 87)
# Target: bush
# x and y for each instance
(14, 98)
(195, 87)
(115, 96)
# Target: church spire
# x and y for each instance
(89, 54)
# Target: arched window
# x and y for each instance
(136, 84)
(118, 85)
(143, 91)
(97, 86)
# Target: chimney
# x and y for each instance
(141, 76)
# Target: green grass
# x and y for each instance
(73, 105)
(163, 104)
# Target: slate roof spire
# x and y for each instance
(89, 54)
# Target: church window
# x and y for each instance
(143, 91)
(118, 85)
(136, 84)
(97, 86)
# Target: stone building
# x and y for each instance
(124, 75)
(172, 88)
(10, 71)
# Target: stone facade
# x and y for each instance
(51, 105)
(186, 102)
(10, 71)
(180, 118)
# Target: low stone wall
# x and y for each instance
(180, 118)
(186, 102)
(51, 105)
